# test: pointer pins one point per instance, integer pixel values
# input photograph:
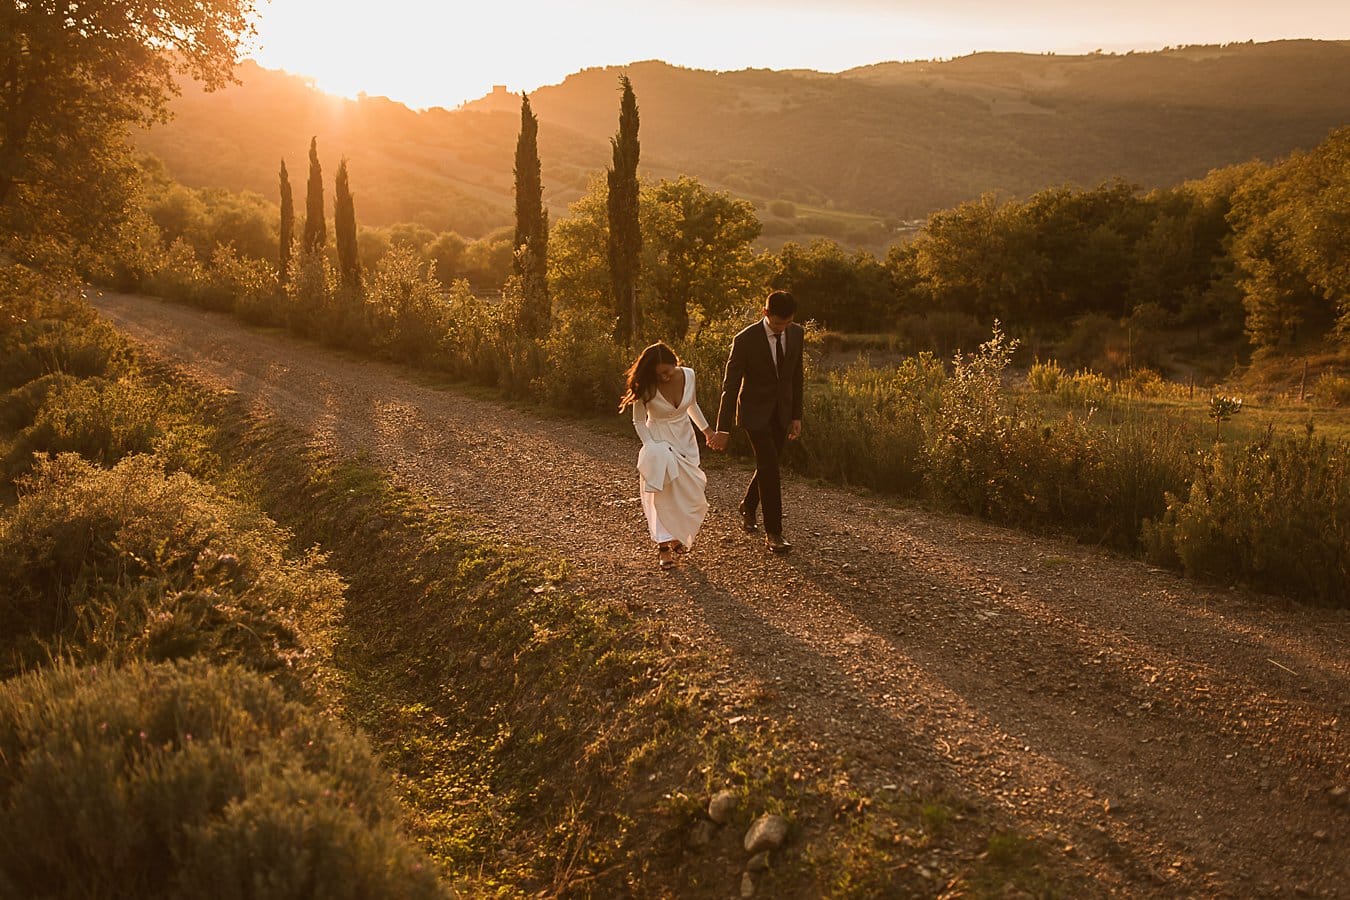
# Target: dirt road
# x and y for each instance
(1181, 740)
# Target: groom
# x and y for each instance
(762, 392)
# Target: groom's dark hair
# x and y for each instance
(781, 304)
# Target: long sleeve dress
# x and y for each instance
(672, 483)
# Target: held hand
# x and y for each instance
(718, 440)
(795, 429)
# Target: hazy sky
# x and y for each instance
(428, 53)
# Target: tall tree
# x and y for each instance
(625, 235)
(75, 76)
(316, 232)
(531, 244)
(344, 228)
(287, 226)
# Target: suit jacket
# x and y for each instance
(753, 390)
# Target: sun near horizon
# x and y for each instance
(428, 54)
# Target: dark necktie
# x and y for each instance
(778, 357)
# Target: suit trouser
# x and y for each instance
(766, 488)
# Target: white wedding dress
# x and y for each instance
(671, 482)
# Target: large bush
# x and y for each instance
(105, 421)
(72, 341)
(988, 455)
(408, 315)
(472, 342)
(969, 445)
(130, 563)
(19, 407)
(869, 425)
(167, 781)
(1274, 513)
(583, 367)
(317, 305)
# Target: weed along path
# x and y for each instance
(1160, 738)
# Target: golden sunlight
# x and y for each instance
(433, 54)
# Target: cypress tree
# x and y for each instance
(316, 232)
(531, 244)
(625, 238)
(287, 226)
(344, 228)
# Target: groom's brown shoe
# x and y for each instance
(748, 524)
(776, 544)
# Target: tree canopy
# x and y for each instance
(77, 75)
(697, 261)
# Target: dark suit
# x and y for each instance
(763, 399)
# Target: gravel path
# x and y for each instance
(1171, 739)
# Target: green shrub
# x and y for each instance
(250, 286)
(471, 345)
(113, 565)
(1090, 341)
(1045, 378)
(706, 353)
(1085, 389)
(105, 421)
(407, 314)
(1098, 483)
(19, 407)
(582, 366)
(319, 307)
(80, 345)
(968, 445)
(481, 340)
(27, 294)
(1146, 382)
(1274, 513)
(162, 781)
(1144, 458)
(177, 274)
(227, 282)
(1332, 389)
(870, 425)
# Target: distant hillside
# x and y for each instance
(893, 140)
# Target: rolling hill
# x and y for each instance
(890, 141)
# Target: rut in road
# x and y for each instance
(1181, 739)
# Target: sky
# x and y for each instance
(428, 53)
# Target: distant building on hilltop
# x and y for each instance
(500, 99)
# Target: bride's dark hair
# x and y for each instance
(640, 379)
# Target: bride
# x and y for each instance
(661, 393)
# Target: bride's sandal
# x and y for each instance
(678, 547)
(665, 555)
